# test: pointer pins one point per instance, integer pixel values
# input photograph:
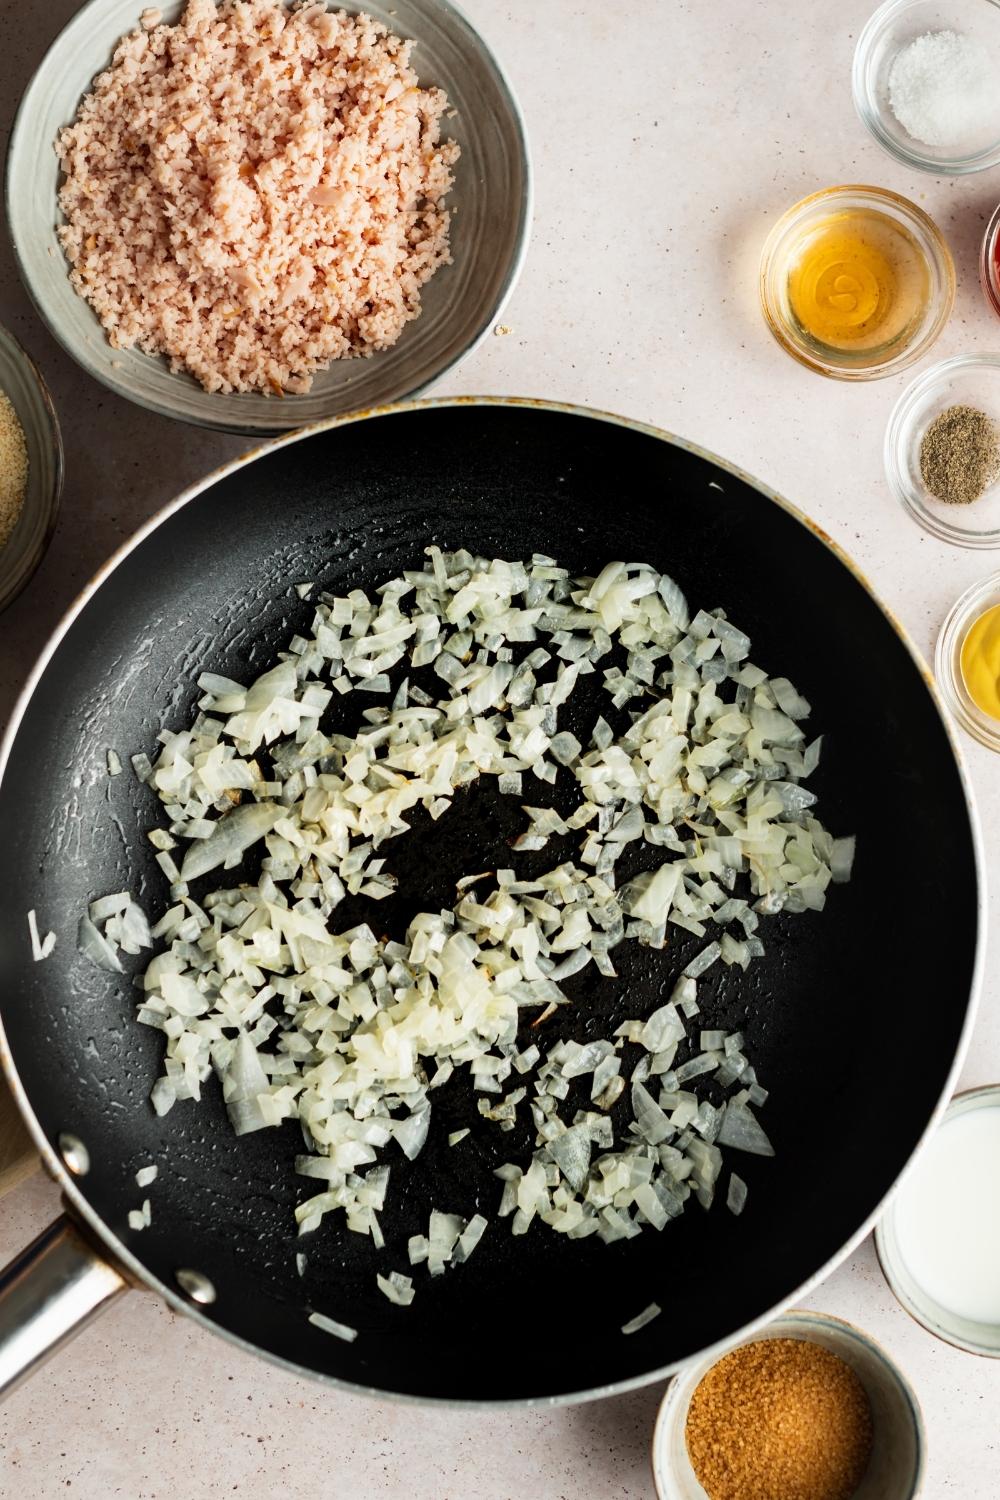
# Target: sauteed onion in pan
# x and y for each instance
(467, 663)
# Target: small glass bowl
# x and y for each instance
(897, 1462)
(989, 274)
(966, 380)
(948, 661)
(777, 258)
(24, 387)
(963, 1333)
(892, 27)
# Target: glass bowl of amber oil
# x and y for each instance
(856, 282)
(967, 661)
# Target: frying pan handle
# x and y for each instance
(47, 1294)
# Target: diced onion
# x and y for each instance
(330, 1325)
(347, 1031)
(41, 947)
(641, 1319)
(397, 1287)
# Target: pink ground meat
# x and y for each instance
(254, 192)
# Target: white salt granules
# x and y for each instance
(944, 89)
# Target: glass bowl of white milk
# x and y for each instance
(939, 1240)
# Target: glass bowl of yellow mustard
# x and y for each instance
(856, 282)
(967, 661)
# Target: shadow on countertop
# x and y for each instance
(618, 1435)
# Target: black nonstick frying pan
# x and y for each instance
(855, 1018)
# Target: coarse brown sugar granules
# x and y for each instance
(779, 1419)
(13, 469)
(960, 455)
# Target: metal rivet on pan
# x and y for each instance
(196, 1285)
(74, 1153)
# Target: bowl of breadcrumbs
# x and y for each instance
(31, 467)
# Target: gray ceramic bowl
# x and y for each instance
(896, 1466)
(492, 196)
(26, 391)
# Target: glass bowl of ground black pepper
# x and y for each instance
(942, 450)
(811, 1407)
(31, 467)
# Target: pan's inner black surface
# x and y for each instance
(852, 1018)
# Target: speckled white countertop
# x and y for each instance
(667, 137)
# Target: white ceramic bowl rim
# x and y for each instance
(795, 1323)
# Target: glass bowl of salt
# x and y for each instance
(942, 450)
(926, 83)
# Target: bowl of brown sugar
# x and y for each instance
(809, 1409)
